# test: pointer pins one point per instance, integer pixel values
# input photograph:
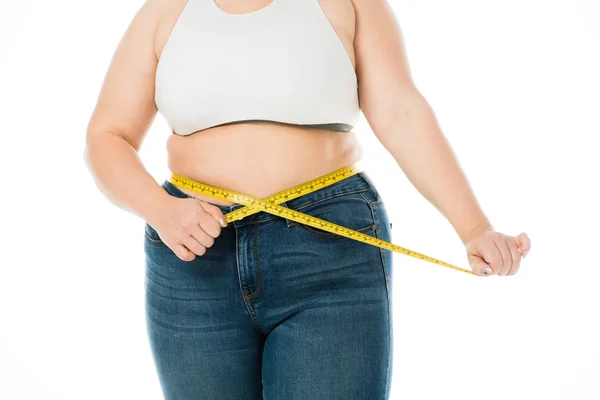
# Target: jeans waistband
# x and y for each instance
(357, 183)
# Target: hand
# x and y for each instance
(491, 252)
(188, 226)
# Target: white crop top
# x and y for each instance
(283, 63)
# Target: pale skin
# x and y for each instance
(396, 111)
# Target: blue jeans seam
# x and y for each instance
(245, 299)
(151, 240)
(331, 196)
(377, 234)
(328, 235)
(154, 242)
(384, 267)
(257, 259)
(369, 182)
(371, 203)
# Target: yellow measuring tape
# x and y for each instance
(271, 205)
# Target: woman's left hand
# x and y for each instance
(493, 253)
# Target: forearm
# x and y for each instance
(418, 145)
(120, 175)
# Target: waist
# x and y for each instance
(259, 160)
(359, 182)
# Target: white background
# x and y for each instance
(515, 87)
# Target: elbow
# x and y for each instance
(393, 110)
(88, 150)
(404, 112)
(95, 144)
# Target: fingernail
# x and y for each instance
(525, 254)
(223, 222)
(487, 271)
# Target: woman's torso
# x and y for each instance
(255, 157)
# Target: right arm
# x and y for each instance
(122, 116)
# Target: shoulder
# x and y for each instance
(341, 14)
(344, 9)
(167, 12)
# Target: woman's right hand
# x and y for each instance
(188, 226)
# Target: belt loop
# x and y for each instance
(289, 222)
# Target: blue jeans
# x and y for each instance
(277, 310)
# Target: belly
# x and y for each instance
(259, 158)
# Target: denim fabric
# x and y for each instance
(277, 310)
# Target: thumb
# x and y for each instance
(183, 253)
(215, 212)
(479, 266)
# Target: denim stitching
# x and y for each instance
(377, 234)
(308, 229)
(152, 241)
(377, 203)
(384, 266)
(368, 180)
(237, 263)
(253, 318)
(372, 185)
(251, 313)
(331, 196)
(257, 259)
(330, 235)
(387, 292)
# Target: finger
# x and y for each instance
(523, 243)
(478, 266)
(183, 253)
(216, 213)
(516, 256)
(194, 246)
(505, 253)
(209, 224)
(491, 255)
(202, 237)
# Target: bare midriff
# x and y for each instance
(262, 158)
(259, 158)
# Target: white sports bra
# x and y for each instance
(283, 63)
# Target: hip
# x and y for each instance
(270, 252)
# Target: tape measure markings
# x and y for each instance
(271, 205)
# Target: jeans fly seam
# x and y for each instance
(257, 259)
(237, 262)
(245, 299)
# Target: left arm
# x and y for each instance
(403, 121)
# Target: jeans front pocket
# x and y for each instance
(349, 210)
(152, 236)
